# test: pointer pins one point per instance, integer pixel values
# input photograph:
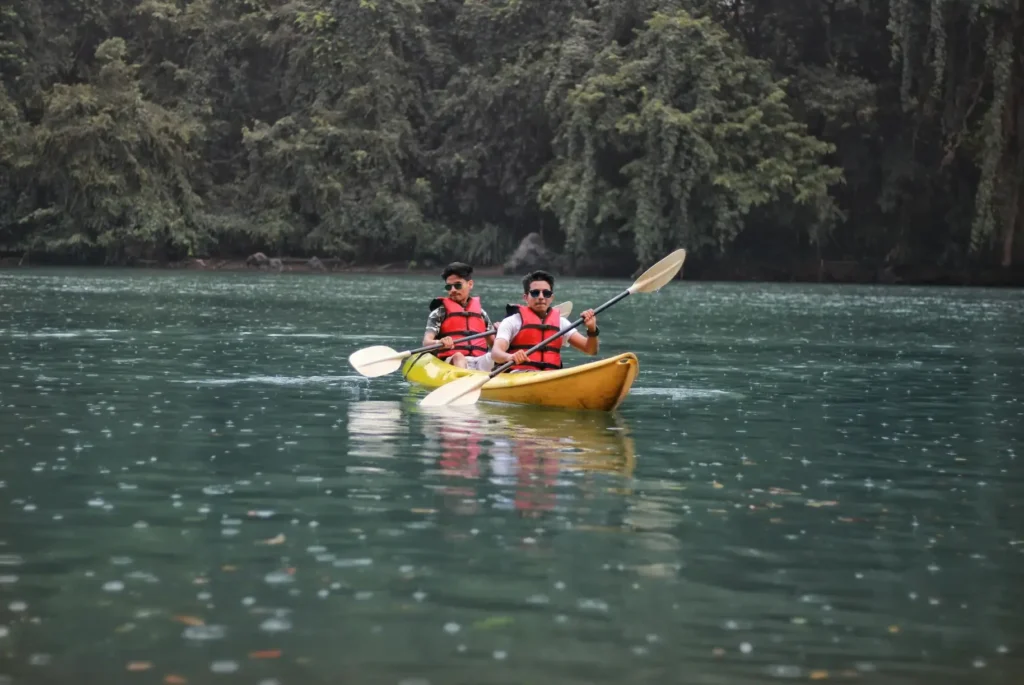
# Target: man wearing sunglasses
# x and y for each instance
(526, 326)
(456, 316)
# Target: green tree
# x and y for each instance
(672, 138)
(110, 171)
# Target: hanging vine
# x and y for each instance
(963, 88)
(983, 228)
(938, 38)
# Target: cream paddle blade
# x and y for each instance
(659, 274)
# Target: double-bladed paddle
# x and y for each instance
(380, 360)
(466, 390)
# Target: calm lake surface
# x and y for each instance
(806, 483)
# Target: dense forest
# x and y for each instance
(885, 133)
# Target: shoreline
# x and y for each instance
(832, 272)
(289, 265)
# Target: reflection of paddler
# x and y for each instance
(460, 449)
(537, 474)
(546, 442)
(459, 439)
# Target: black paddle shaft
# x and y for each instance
(545, 341)
(434, 346)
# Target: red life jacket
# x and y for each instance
(459, 322)
(533, 331)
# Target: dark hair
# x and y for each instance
(537, 276)
(458, 269)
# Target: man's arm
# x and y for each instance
(585, 343)
(489, 325)
(499, 351)
(507, 330)
(434, 327)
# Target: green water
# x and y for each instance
(805, 483)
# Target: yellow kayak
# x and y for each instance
(600, 385)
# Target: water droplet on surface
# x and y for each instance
(592, 604)
(203, 633)
(279, 578)
(225, 666)
(785, 671)
(276, 625)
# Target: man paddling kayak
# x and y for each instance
(457, 315)
(526, 326)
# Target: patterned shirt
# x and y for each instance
(437, 316)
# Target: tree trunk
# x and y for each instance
(1014, 214)
(1014, 137)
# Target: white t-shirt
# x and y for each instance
(511, 325)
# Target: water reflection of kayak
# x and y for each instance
(530, 453)
(586, 441)
(579, 441)
(600, 385)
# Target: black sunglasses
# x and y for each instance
(457, 286)
(538, 293)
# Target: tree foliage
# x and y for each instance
(672, 138)
(889, 131)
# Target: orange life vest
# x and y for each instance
(533, 332)
(459, 322)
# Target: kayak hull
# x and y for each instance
(601, 385)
